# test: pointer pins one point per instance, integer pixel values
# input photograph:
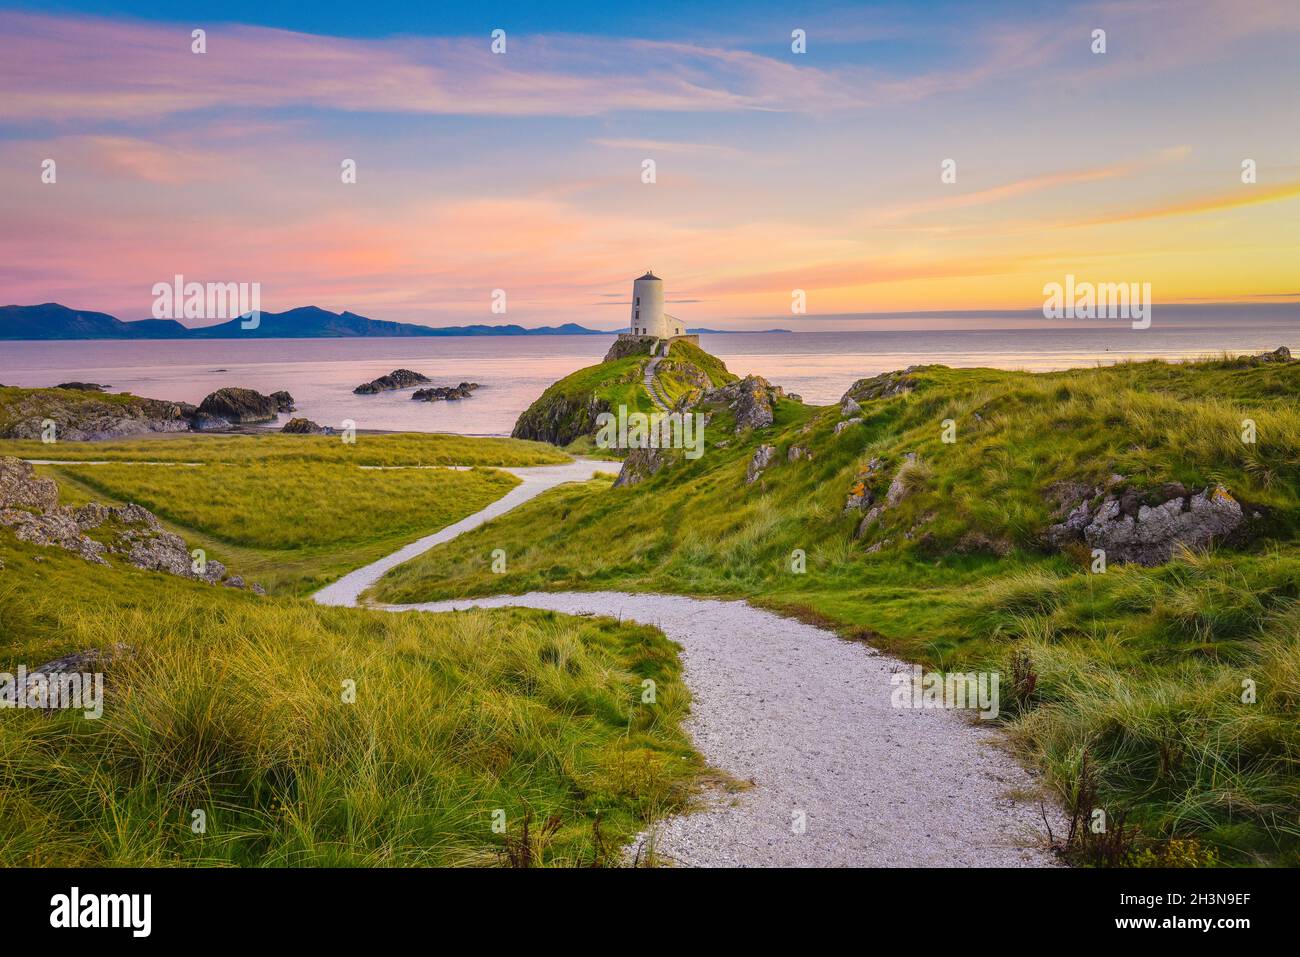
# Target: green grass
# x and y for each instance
(1141, 669)
(293, 513)
(233, 705)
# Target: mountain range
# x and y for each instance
(53, 321)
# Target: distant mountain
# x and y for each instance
(732, 332)
(53, 321)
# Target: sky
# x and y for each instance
(774, 170)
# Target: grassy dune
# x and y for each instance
(233, 705)
(293, 512)
(1127, 685)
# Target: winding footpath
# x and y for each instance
(836, 775)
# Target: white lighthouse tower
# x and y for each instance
(648, 316)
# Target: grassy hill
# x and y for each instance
(566, 412)
(1125, 686)
(232, 704)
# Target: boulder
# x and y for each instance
(798, 452)
(444, 392)
(1280, 354)
(845, 423)
(299, 426)
(640, 464)
(240, 406)
(397, 379)
(763, 456)
(752, 399)
(883, 386)
(283, 401)
(1148, 526)
(20, 487)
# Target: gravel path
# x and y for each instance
(534, 480)
(806, 718)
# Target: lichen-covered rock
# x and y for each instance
(849, 407)
(240, 406)
(87, 416)
(797, 453)
(20, 487)
(1148, 526)
(640, 464)
(752, 399)
(883, 386)
(28, 506)
(763, 456)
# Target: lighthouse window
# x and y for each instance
(637, 315)
(638, 300)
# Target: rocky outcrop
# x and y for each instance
(752, 399)
(846, 423)
(1280, 354)
(626, 345)
(240, 406)
(559, 419)
(860, 495)
(798, 453)
(1144, 526)
(397, 379)
(283, 401)
(82, 386)
(445, 392)
(883, 386)
(28, 506)
(87, 416)
(299, 426)
(640, 464)
(763, 456)
(898, 490)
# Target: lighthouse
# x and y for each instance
(648, 316)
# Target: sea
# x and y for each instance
(513, 371)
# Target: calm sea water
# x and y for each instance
(321, 373)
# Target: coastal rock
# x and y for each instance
(849, 407)
(639, 465)
(240, 406)
(299, 426)
(883, 386)
(860, 496)
(397, 379)
(1148, 526)
(752, 399)
(763, 456)
(441, 392)
(20, 487)
(202, 422)
(283, 401)
(88, 416)
(1280, 354)
(28, 506)
(82, 386)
